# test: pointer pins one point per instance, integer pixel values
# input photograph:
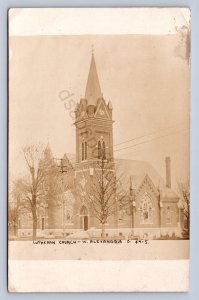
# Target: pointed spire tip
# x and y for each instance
(93, 90)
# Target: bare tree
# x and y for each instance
(12, 218)
(184, 190)
(38, 183)
(15, 197)
(33, 184)
(127, 203)
(104, 192)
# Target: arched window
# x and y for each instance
(84, 150)
(146, 210)
(84, 218)
(69, 216)
(101, 149)
(168, 215)
(41, 217)
(25, 218)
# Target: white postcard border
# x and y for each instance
(99, 276)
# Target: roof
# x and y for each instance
(93, 90)
(138, 170)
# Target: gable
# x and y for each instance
(101, 111)
(147, 186)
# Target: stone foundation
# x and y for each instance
(124, 233)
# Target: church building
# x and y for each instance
(146, 207)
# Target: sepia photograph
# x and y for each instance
(99, 137)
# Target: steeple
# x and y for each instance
(93, 90)
(93, 121)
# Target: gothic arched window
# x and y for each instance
(146, 210)
(84, 150)
(69, 216)
(168, 215)
(84, 218)
(25, 218)
(101, 149)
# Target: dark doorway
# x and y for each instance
(85, 222)
(84, 218)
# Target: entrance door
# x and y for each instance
(84, 218)
(85, 222)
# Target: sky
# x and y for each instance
(146, 77)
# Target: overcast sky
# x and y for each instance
(146, 77)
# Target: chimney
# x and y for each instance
(168, 171)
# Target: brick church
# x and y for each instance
(145, 207)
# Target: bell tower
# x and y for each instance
(93, 121)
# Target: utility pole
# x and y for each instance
(63, 169)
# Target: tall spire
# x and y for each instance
(93, 90)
